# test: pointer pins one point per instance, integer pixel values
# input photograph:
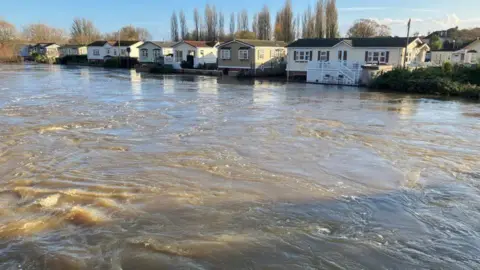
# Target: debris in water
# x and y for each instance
(85, 216)
(49, 201)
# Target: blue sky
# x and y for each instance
(427, 15)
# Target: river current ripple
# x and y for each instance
(110, 169)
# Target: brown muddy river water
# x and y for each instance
(109, 169)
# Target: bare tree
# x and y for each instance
(183, 25)
(239, 22)
(296, 28)
(203, 31)
(174, 27)
(7, 32)
(308, 24)
(319, 19)
(215, 24)
(264, 27)
(284, 29)
(196, 21)
(83, 32)
(131, 32)
(331, 19)
(44, 33)
(255, 24)
(365, 28)
(221, 26)
(211, 22)
(143, 34)
(385, 31)
(243, 21)
(232, 24)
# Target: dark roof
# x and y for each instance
(98, 43)
(195, 43)
(446, 50)
(315, 42)
(439, 33)
(162, 44)
(465, 44)
(472, 51)
(43, 44)
(125, 43)
(355, 42)
(260, 43)
(71, 46)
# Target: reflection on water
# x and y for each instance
(127, 171)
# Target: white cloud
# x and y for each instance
(424, 25)
(361, 8)
(424, 10)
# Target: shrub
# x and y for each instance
(120, 62)
(186, 65)
(447, 68)
(166, 69)
(74, 59)
(450, 81)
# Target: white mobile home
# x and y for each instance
(72, 50)
(467, 54)
(341, 59)
(203, 52)
(152, 51)
(99, 51)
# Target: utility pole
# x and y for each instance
(406, 45)
(119, 51)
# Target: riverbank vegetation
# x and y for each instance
(447, 80)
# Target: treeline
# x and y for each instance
(82, 31)
(322, 23)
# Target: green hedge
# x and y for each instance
(166, 69)
(447, 80)
(120, 62)
(73, 59)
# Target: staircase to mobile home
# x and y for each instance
(336, 72)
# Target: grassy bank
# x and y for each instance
(8, 53)
(447, 80)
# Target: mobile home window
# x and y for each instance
(323, 56)
(278, 53)
(179, 55)
(377, 57)
(261, 54)
(96, 52)
(303, 56)
(225, 54)
(144, 52)
(156, 53)
(243, 54)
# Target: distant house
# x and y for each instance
(469, 53)
(97, 51)
(244, 54)
(123, 46)
(72, 50)
(442, 35)
(24, 50)
(152, 51)
(101, 50)
(47, 49)
(341, 59)
(202, 52)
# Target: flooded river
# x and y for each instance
(109, 169)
